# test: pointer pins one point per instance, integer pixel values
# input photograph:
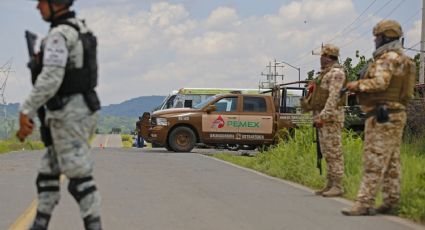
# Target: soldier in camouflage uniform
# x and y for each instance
(65, 87)
(328, 115)
(383, 93)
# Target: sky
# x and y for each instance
(150, 47)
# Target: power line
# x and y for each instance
(395, 8)
(411, 17)
(355, 20)
(411, 48)
(353, 29)
(370, 17)
(362, 34)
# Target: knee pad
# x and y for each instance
(92, 223)
(47, 183)
(78, 191)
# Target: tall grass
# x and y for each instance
(295, 160)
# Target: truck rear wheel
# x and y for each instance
(182, 139)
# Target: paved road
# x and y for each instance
(107, 140)
(156, 190)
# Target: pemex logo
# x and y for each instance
(218, 123)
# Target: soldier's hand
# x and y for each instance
(318, 123)
(26, 126)
(353, 86)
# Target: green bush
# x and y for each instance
(295, 160)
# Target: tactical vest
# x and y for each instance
(400, 89)
(78, 80)
(319, 95)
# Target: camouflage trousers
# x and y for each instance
(70, 156)
(330, 144)
(381, 160)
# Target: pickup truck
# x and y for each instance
(243, 119)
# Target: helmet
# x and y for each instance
(388, 28)
(66, 2)
(330, 50)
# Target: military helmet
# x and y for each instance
(66, 2)
(330, 50)
(388, 28)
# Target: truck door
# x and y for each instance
(220, 124)
(256, 121)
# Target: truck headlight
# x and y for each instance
(161, 121)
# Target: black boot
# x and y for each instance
(41, 221)
(92, 223)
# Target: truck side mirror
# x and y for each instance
(211, 108)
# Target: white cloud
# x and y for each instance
(165, 14)
(414, 34)
(222, 17)
(163, 48)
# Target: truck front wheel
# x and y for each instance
(182, 139)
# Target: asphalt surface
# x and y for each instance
(154, 189)
(107, 141)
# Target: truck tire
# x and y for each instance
(167, 146)
(182, 139)
(249, 147)
(233, 147)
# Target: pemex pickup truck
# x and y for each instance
(243, 119)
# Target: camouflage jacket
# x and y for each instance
(61, 48)
(386, 63)
(332, 81)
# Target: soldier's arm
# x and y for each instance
(337, 78)
(51, 77)
(380, 75)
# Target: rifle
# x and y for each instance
(34, 61)
(35, 68)
(31, 40)
(318, 150)
(360, 75)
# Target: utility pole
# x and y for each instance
(422, 55)
(272, 75)
(4, 74)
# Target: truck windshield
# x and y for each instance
(205, 102)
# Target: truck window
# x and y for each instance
(170, 103)
(254, 104)
(227, 104)
(292, 101)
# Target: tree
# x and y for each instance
(352, 72)
(417, 60)
(310, 75)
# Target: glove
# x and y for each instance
(26, 126)
(353, 86)
(318, 123)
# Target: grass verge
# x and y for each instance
(127, 140)
(15, 145)
(295, 160)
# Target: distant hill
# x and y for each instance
(12, 110)
(123, 115)
(133, 107)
